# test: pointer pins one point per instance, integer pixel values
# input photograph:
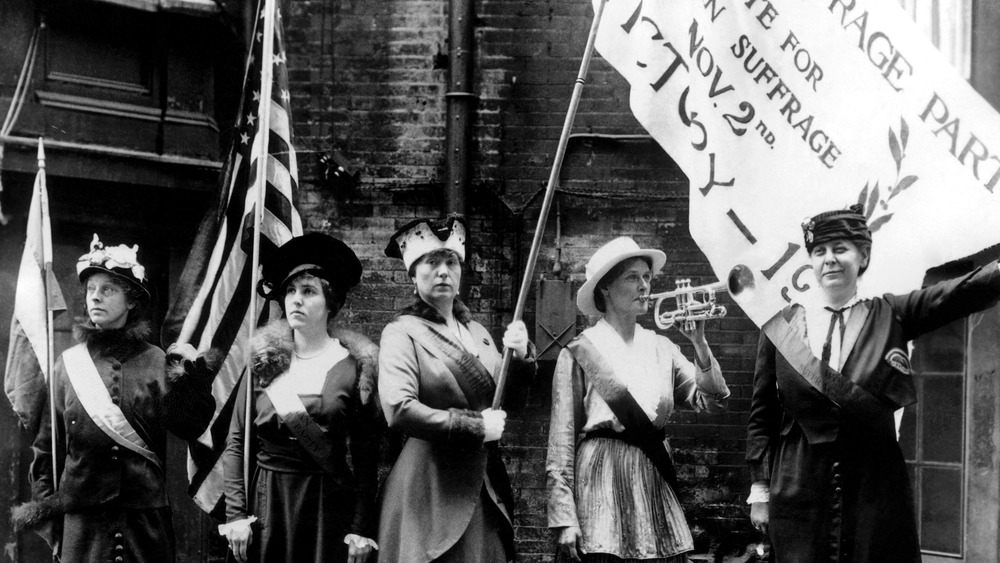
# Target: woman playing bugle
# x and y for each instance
(611, 481)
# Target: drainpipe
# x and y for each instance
(461, 101)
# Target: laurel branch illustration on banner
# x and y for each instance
(871, 201)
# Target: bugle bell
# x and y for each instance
(699, 303)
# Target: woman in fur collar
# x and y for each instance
(114, 404)
(313, 406)
(447, 497)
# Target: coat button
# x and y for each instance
(119, 559)
(114, 378)
(114, 458)
(118, 536)
(837, 490)
(115, 400)
(114, 389)
(116, 366)
(119, 548)
(114, 449)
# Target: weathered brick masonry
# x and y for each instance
(368, 80)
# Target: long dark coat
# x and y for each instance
(305, 510)
(433, 489)
(112, 502)
(839, 486)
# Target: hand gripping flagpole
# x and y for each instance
(263, 134)
(543, 214)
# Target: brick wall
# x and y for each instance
(368, 81)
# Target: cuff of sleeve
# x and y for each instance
(759, 492)
(359, 541)
(466, 428)
(236, 525)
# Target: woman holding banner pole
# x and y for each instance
(611, 482)
(447, 497)
(116, 396)
(313, 407)
(830, 482)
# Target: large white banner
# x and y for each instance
(779, 109)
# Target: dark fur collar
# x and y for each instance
(272, 348)
(420, 308)
(120, 343)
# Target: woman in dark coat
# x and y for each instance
(447, 497)
(114, 404)
(830, 482)
(313, 408)
(611, 481)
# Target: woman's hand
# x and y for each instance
(759, 515)
(567, 541)
(696, 335)
(184, 350)
(516, 338)
(358, 548)
(494, 422)
(239, 539)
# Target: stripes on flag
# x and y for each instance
(214, 295)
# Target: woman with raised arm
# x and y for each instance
(612, 487)
(830, 482)
(115, 400)
(313, 408)
(447, 497)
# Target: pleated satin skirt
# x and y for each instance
(624, 506)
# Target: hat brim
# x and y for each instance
(585, 296)
(91, 270)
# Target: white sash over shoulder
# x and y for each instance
(97, 402)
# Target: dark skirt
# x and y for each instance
(108, 533)
(303, 518)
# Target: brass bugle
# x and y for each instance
(699, 303)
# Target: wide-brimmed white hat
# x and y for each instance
(606, 257)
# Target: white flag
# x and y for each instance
(778, 110)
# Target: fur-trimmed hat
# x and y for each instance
(421, 236)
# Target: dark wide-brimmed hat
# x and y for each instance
(842, 224)
(315, 253)
(421, 236)
(120, 262)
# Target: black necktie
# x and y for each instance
(838, 315)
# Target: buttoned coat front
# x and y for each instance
(435, 484)
(100, 479)
(839, 486)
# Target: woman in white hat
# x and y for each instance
(115, 401)
(447, 497)
(611, 482)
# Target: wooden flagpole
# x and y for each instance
(263, 134)
(46, 239)
(543, 214)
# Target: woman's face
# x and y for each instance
(836, 265)
(107, 304)
(305, 304)
(438, 277)
(625, 295)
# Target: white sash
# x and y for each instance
(292, 412)
(97, 402)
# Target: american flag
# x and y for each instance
(214, 297)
